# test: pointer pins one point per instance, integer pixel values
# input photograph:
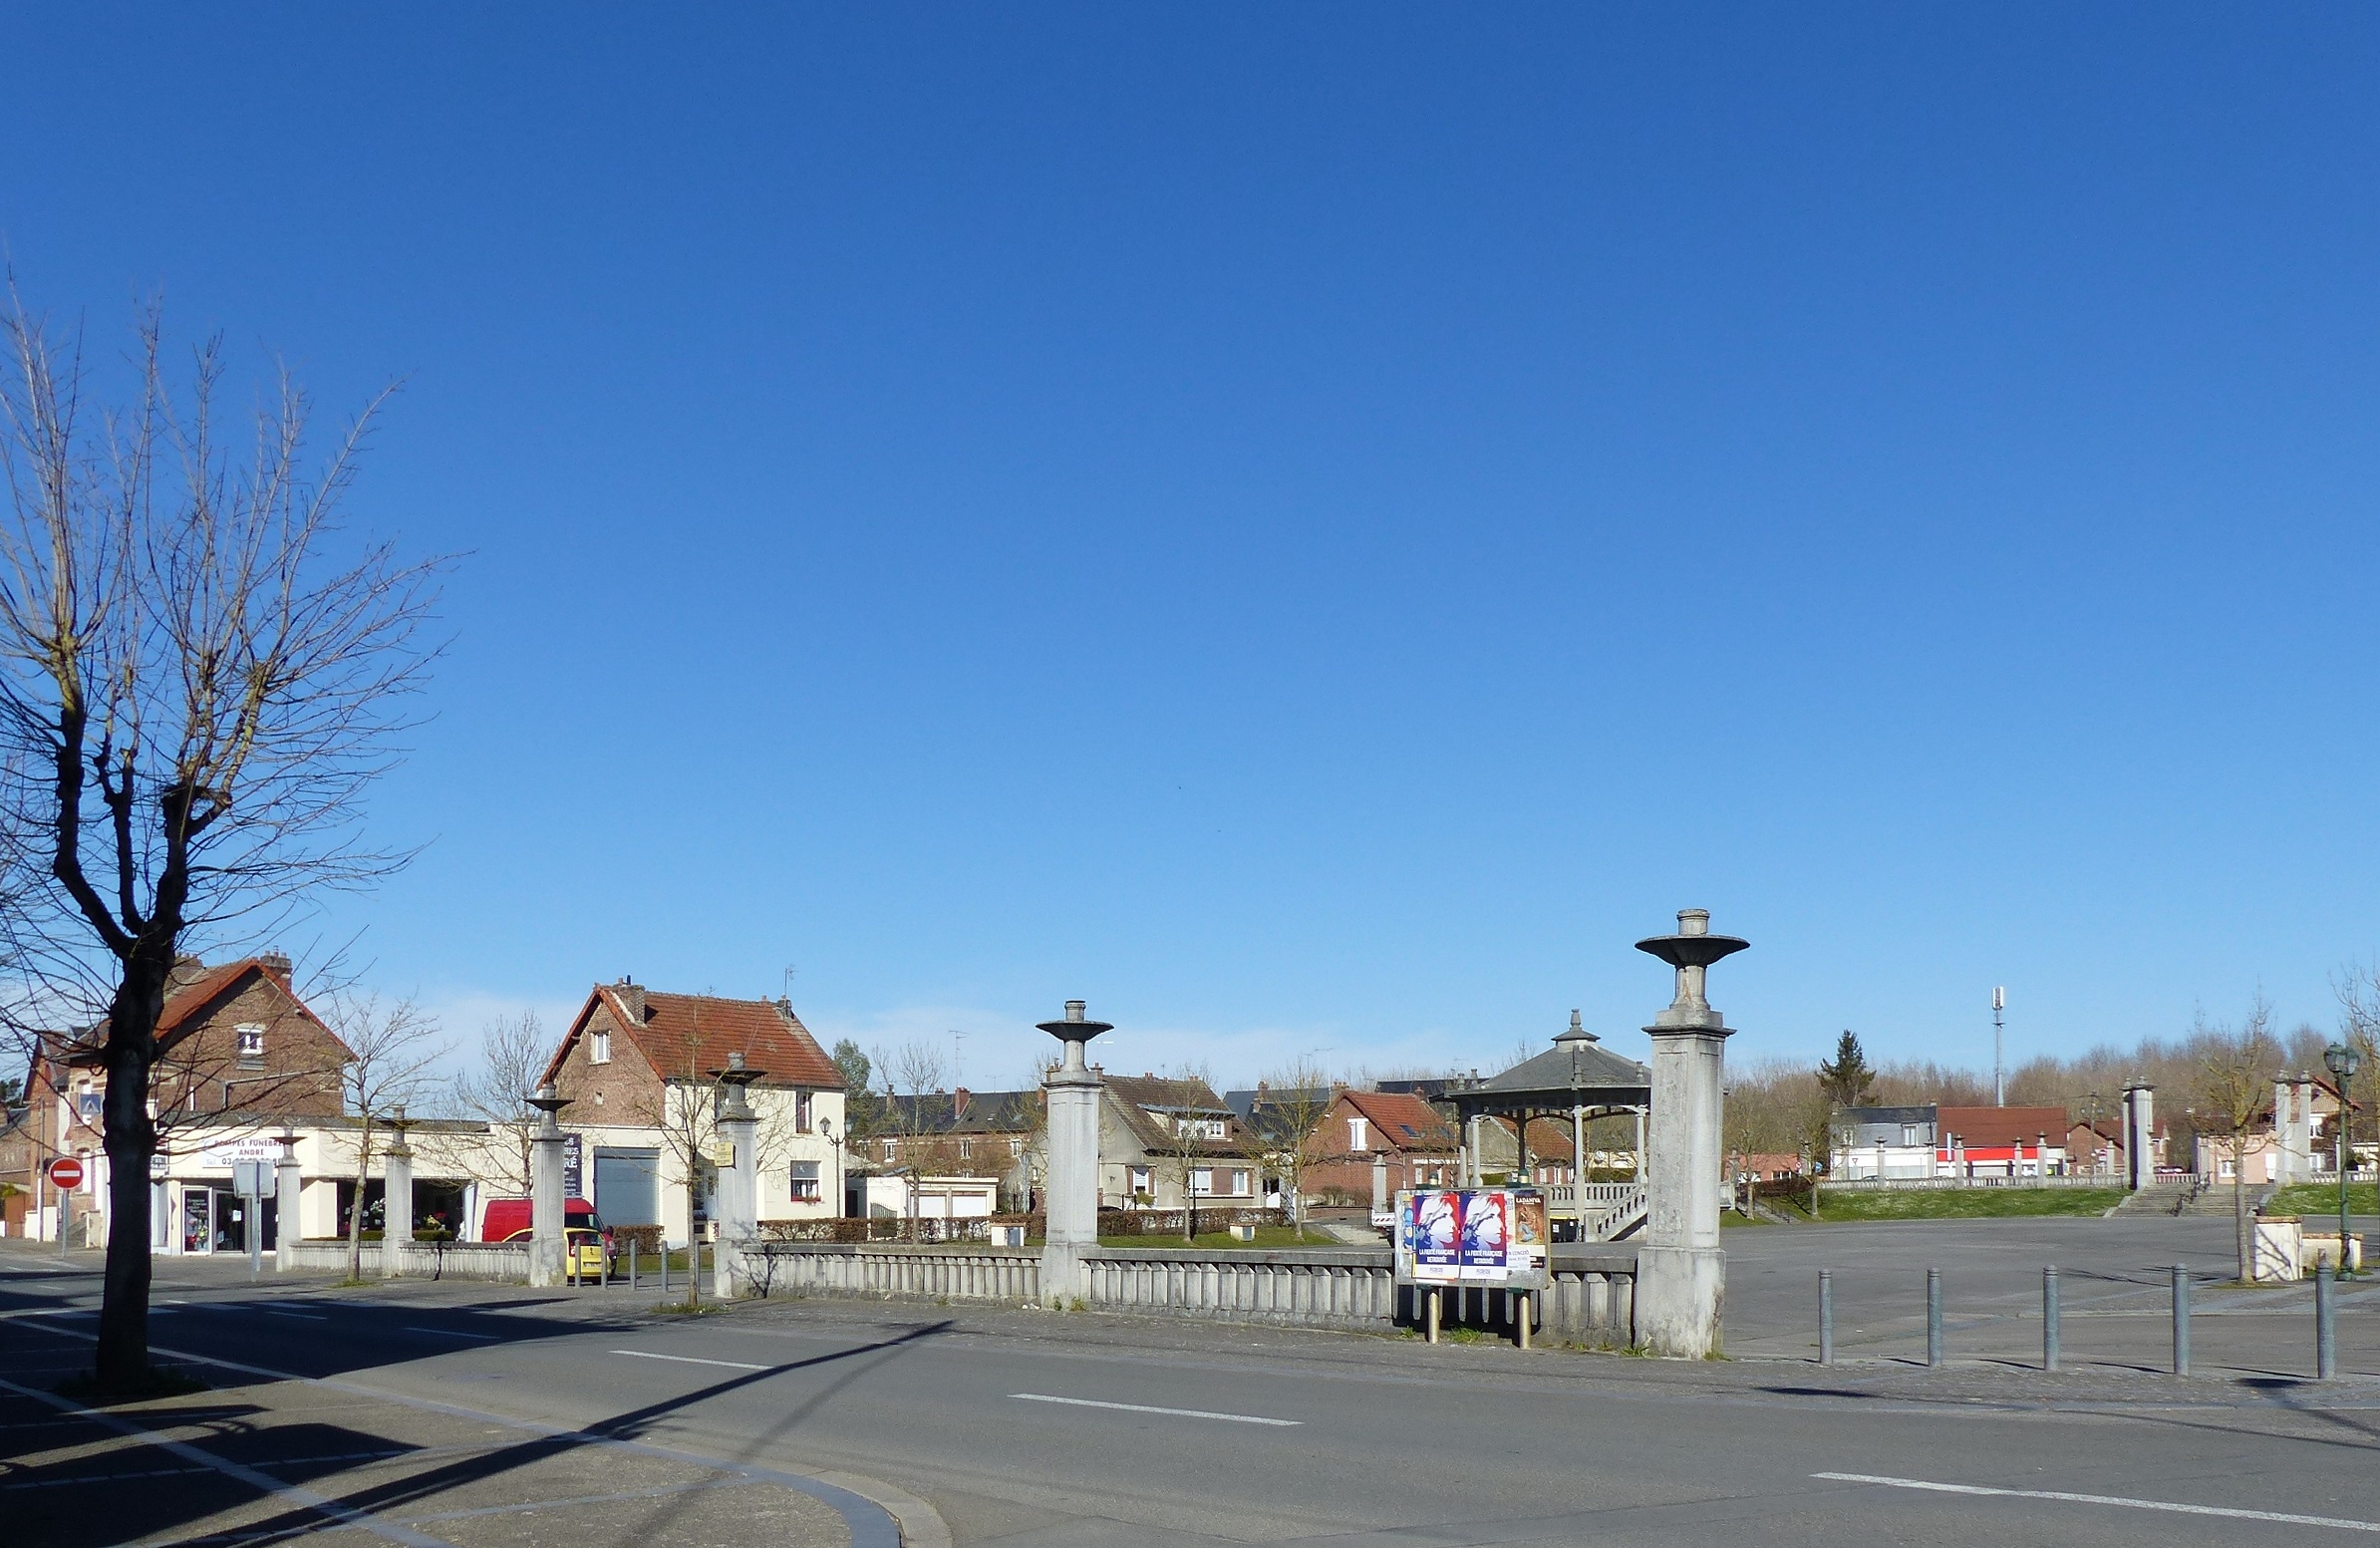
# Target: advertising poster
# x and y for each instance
(1472, 1236)
(1437, 1235)
(1486, 1217)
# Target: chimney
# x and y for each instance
(274, 962)
(631, 995)
(959, 1100)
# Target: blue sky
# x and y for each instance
(1314, 530)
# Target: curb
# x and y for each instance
(921, 1524)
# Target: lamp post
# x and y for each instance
(2340, 1059)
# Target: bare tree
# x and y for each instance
(393, 1059)
(2358, 989)
(918, 1068)
(2236, 1071)
(200, 676)
(1284, 1135)
(496, 1091)
(1190, 1136)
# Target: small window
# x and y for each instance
(1140, 1182)
(966, 1149)
(1239, 1184)
(802, 1112)
(252, 1041)
(806, 1182)
(599, 1048)
(1357, 1137)
(892, 1149)
(1015, 1145)
(1202, 1182)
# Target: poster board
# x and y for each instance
(1497, 1238)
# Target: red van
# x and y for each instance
(508, 1220)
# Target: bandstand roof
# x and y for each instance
(1577, 1072)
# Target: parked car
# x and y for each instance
(508, 1220)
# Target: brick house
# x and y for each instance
(639, 1067)
(955, 1134)
(237, 1051)
(1359, 1129)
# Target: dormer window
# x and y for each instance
(599, 1048)
(251, 1041)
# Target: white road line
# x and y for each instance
(1143, 1408)
(449, 1332)
(2287, 1518)
(690, 1360)
(274, 1311)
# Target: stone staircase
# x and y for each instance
(2162, 1198)
(2215, 1199)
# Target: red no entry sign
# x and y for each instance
(66, 1172)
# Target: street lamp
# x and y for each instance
(2340, 1060)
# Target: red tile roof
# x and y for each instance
(188, 1001)
(1403, 1120)
(678, 1034)
(1986, 1126)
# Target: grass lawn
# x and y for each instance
(1268, 1238)
(1961, 1203)
(2317, 1198)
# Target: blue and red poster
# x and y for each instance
(1472, 1236)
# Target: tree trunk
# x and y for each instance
(2240, 1238)
(129, 1138)
(355, 1215)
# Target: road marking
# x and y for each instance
(2284, 1517)
(274, 1311)
(690, 1360)
(449, 1332)
(1143, 1408)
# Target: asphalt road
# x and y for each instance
(1042, 1428)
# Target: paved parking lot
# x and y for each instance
(2115, 1292)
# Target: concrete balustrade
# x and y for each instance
(1591, 1300)
(891, 1269)
(507, 1261)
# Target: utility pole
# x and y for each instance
(1999, 1085)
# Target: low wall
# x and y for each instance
(502, 1261)
(894, 1269)
(1353, 1286)
(1592, 1298)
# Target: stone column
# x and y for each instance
(1471, 1168)
(1681, 1274)
(1379, 1183)
(547, 1260)
(738, 1201)
(286, 1183)
(396, 1200)
(2140, 1109)
(1073, 1186)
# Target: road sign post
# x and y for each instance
(66, 1176)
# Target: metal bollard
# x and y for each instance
(2326, 1330)
(1825, 1318)
(632, 1246)
(665, 1265)
(2181, 1320)
(1934, 1317)
(2049, 1318)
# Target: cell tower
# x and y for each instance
(1999, 1085)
